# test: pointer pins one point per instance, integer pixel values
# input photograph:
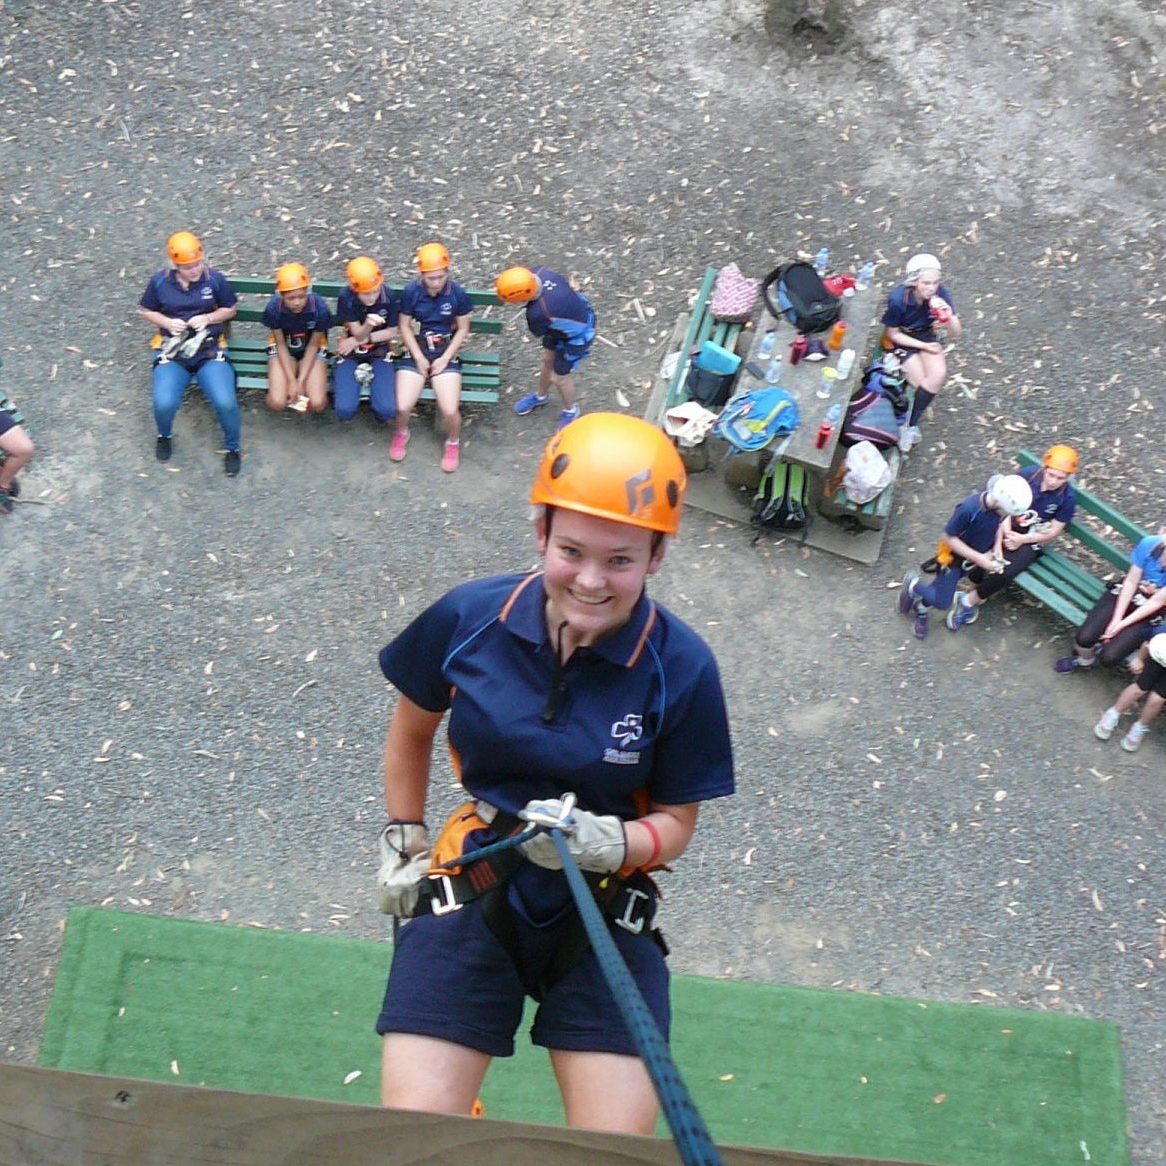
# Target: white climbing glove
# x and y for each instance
(597, 842)
(404, 848)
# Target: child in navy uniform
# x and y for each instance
(973, 537)
(1150, 668)
(563, 319)
(1119, 622)
(1054, 502)
(189, 303)
(297, 349)
(435, 321)
(914, 308)
(368, 312)
(570, 678)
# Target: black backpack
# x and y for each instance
(782, 500)
(796, 291)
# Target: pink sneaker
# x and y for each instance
(398, 444)
(451, 457)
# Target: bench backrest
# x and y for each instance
(1117, 554)
(263, 289)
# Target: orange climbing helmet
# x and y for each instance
(613, 466)
(517, 285)
(432, 257)
(1061, 457)
(292, 277)
(184, 247)
(363, 274)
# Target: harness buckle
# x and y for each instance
(633, 917)
(442, 898)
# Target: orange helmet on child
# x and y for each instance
(1061, 457)
(292, 277)
(432, 257)
(184, 247)
(517, 285)
(613, 466)
(363, 274)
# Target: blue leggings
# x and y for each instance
(346, 390)
(941, 592)
(216, 378)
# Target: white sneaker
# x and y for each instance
(1134, 736)
(909, 435)
(1104, 728)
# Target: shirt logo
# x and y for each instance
(625, 732)
(630, 729)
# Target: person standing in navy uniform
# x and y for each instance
(368, 311)
(914, 309)
(435, 321)
(563, 319)
(1054, 502)
(297, 349)
(189, 303)
(567, 679)
(973, 537)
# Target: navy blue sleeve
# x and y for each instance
(462, 304)
(413, 663)
(894, 315)
(694, 756)
(962, 516)
(150, 300)
(347, 308)
(224, 293)
(409, 296)
(271, 312)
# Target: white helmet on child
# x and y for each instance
(1009, 493)
(920, 263)
(1158, 648)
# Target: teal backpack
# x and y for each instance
(782, 500)
(752, 419)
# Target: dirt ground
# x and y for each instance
(192, 709)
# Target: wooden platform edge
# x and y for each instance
(56, 1118)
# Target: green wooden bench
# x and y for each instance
(692, 329)
(481, 370)
(870, 515)
(1066, 586)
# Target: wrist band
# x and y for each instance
(657, 845)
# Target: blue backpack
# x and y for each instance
(751, 420)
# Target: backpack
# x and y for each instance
(752, 419)
(782, 500)
(796, 291)
(870, 417)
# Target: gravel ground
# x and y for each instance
(193, 714)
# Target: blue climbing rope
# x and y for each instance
(692, 1137)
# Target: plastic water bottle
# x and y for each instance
(822, 260)
(767, 345)
(865, 275)
(845, 363)
(834, 412)
(773, 369)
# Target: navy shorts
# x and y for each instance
(567, 356)
(1152, 677)
(7, 422)
(408, 362)
(452, 979)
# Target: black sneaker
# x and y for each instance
(162, 448)
(14, 488)
(232, 463)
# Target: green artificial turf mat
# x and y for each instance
(768, 1065)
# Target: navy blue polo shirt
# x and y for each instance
(1049, 505)
(298, 327)
(908, 315)
(973, 523)
(351, 309)
(559, 308)
(210, 291)
(641, 710)
(435, 315)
